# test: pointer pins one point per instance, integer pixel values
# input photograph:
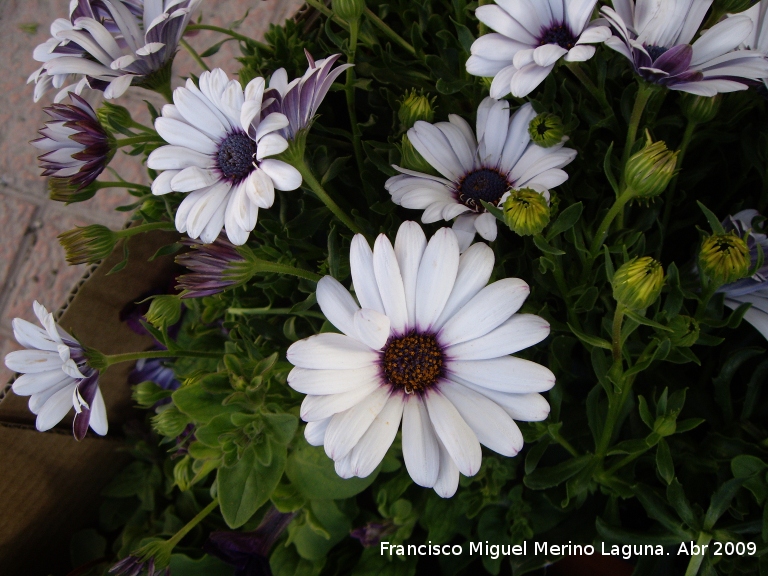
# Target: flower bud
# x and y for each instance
(649, 172)
(116, 118)
(724, 258)
(638, 283)
(526, 212)
(700, 109)
(147, 394)
(89, 244)
(170, 422)
(62, 190)
(164, 311)
(183, 474)
(348, 10)
(411, 158)
(685, 331)
(546, 130)
(415, 107)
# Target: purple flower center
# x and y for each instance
(413, 362)
(559, 35)
(487, 184)
(655, 51)
(235, 158)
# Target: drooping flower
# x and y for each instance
(213, 268)
(530, 37)
(109, 45)
(76, 147)
(501, 158)
(656, 35)
(220, 143)
(56, 376)
(430, 345)
(758, 38)
(752, 290)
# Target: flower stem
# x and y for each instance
(695, 562)
(598, 94)
(229, 32)
(136, 140)
(328, 13)
(140, 229)
(349, 90)
(644, 93)
(129, 185)
(602, 231)
(388, 32)
(195, 56)
(194, 522)
(564, 443)
(275, 312)
(262, 266)
(111, 359)
(618, 318)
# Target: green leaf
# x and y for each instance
(721, 501)
(545, 247)
(664, 463)
(285, 561)
(590, 340)
(688, 424)
(325, 527)
(640, 319)
(676, 497)
(283, 426)
(199, 404)
(621, 536)
(566, 220)
(657, 509)
(336, 167)
(745, 466)
(183, 565)
(714, 221)
(210, 433)
(543, 478)
(498, 213)
(608, 169)
(247, 485)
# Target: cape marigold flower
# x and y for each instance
(430, 345)
(56, 376)
(483, 169)
(213, 267)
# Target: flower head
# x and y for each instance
(430, 345)
(414, 107)
(220, 143)
(76, 148)
(214, 268)
(135, 566)
(526, 212)
(724, 258)
(546, 130)
(56, 376)
(638, 283)
(110, 45)
(477, 170)
(88, 244)
(530, 37)
(656, 35)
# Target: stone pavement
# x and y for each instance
(32, 264)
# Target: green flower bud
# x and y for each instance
(183, 474)
(700, 109)
(415, 107)
(61, 190)
(170, 422)
(411, 159)
(685, 331)
(116, 118)
(147, 394)
(546, 130)
(348, 10)
(526, 212)
(724, 258)
(89, 244)
(164, 311)
(638, 283)
(649, 172)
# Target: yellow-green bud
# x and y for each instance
(147, 394)
(170, 422)
(649, 172)
(164, 311)
(546, 130)
(638, 283)
(61, 190)
(415, 107)
(526, 212)
(89, 244)
(685, 331)
(411, 159)
(724, 258)
(700, 109)
(348, 10)
(114, 117)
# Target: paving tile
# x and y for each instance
(15, 216)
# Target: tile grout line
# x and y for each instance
(27, 242)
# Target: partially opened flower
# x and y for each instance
(474, 170)
(113, 44)
(76, 148)
(758, 38)
(56, 376)
(430, 345)
(213, 268)
(656, 35)
(531, 36)
(219, 147)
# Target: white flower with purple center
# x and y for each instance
(429, 345)
(530, 37)
(220, 143)
(656, 35)
(502, 157)
(56, 376)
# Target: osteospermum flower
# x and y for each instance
(218, 154)
(531, 36)
(430, 345)
(758, 38)
(212, 268)
(656, 35)
(75, 146)
(501, 158)
(111, 45)
(56, 376)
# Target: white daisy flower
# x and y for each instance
(56, 376)
(656, 35)
(758, 37)
(218, 153)
(430, 345)
(531, 36)
(502, 157)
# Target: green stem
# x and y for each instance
(598, 94)
(623, 462)
(695, 562)
(644, 93)
(563, 286)
(228, 32)
(690, 128)
(112, 359)
(309, 178)
(129, 185)
(194, 522)
(140, 126)
(349, 90)
(275, 312)
(328, 13)
(136, 140)
(388, 32)
(195, 56)
(140, 229)
(616, 402)
(618, 318)
(263, 266)
(564, 443)
(602, 231)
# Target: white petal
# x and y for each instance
(337, 304)
(502, 82)
(580, 53)
(31, 336)
(321, 407)
(314, 432)
(457, 437)
(177, 158)
(437, 275)
(331, 352)
(285, 176)
(505, 374)
(372, 327)
(528, 78)
(346, 428)
(548, 54)
(206, 207)
(28, 384)
(390, 283)
(475, 268)
(435, 148)
(464, 228)
(98, 421)
(373, 446)
(519, 332)
(325, 382)
(273, 122)
(54, 409)
(485, 224)
(409, 248)
(448, 477)
(260, 189)
(721, 38)
(162, 184)
(363, 277)
(421, 452)
(182, 134)
(32, 361)
(118, 86)
(190, 179)
(531, 407)
(271, 145)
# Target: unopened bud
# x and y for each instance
(546, 130)
(685, 331)
(700, 109)
(164, 311)
(649, 172)
(183, 474)
(89, 244)
(526, 212)
(415, 107)
(348, 10)
(411, 159)
(638, 283)
(115, 117)
(170, 422)
(147, 394)
(724, 258)
(62, 190)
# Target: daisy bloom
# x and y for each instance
(656, 35)
(75, 146)
(758, 37)
(530, 37)
(501, 158)
(218, 154)
(430, 345)
(56, 376)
